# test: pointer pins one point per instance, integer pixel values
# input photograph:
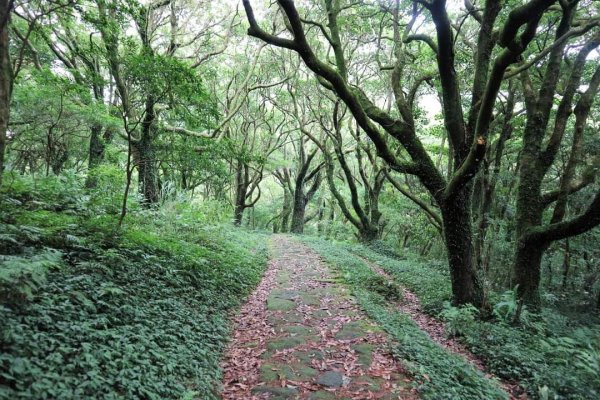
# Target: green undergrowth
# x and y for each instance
(429, 280)
(550, 355)
(89, 310)
(439, 374)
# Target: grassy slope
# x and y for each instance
(548, 355)
(89, 311)
(441, 375)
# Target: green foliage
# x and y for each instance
(48, 192)
(577, 351)
(173, 82)
(548, 356)
(564, 372)
(134, 313)
(506, 307)
(107, 193)
(386, 288)
(22, 276)
(441, 375)
(428, 280)
(458, 320)
(51, 116)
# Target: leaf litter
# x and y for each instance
(436, 330)
(321, 345)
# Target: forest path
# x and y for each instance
(302, 336)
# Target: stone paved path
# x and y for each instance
(302, 336)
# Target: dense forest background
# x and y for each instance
(460, 136)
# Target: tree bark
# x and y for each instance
(298, 211)
(533, 237)
(6, 77)
(244, 189)
(458, 237)
(302, 198)
(527, 270)
(241, 187)
(287, 210)
(146, 158)
(96, 154)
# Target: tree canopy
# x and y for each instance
(463, 133)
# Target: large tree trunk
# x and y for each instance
(368, 234)
(287, 211)
(458, 238)
(146, 157)
(527, 271)
(5, 78)
(147, 173)
(298, 211)
(238, 214)
(96, 154)
(528, 254)
(59, 159)
(241, 186)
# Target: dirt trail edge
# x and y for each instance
(436, 330)
(302, 336)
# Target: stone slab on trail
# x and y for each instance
(301, 335)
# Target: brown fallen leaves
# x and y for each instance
(287, 352)
(242, 359)
(436, 330)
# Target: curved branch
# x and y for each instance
(411, 196)
(579, 31)
(423, 38)
(561, 230)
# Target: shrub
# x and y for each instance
(386, 288)
(458, 319)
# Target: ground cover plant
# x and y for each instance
(92, 311)
(550, 355)
(149, 149)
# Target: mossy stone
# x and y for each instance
(286, 342)
(276, 393)
(369, 383)
(283, 277)
(310, 299)
(285, 294)
(356, 329)
(322, 395)
(306, 356)
(296, 330)
(364, 352)
(290, 317)
(332, 379)
(276, 304)
(270, 372)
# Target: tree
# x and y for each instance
(467, 136)
(366, 217)
(544, 132)
(6, 76)
(81, 57)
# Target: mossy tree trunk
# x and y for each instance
(304, 176)
(539, 154)
(245, 188)
(6, 78)
(283, 177)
